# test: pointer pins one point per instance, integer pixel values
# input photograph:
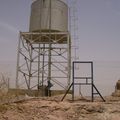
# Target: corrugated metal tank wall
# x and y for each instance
(40, 16)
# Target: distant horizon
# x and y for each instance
(106, 88)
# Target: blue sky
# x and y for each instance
(99, 26)
(99, 35)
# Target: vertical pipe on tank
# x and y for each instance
(49, 54)
(41, 5)
(43, 52)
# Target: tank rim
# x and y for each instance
(56, 0)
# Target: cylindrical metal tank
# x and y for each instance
(41, 16)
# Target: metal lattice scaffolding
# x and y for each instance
(41, 54)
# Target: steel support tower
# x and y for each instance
(43, 57)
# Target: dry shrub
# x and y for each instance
(4, 84)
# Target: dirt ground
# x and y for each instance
(53, 109)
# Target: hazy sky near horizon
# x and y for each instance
(99, 31)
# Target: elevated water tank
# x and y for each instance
(41, 15)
